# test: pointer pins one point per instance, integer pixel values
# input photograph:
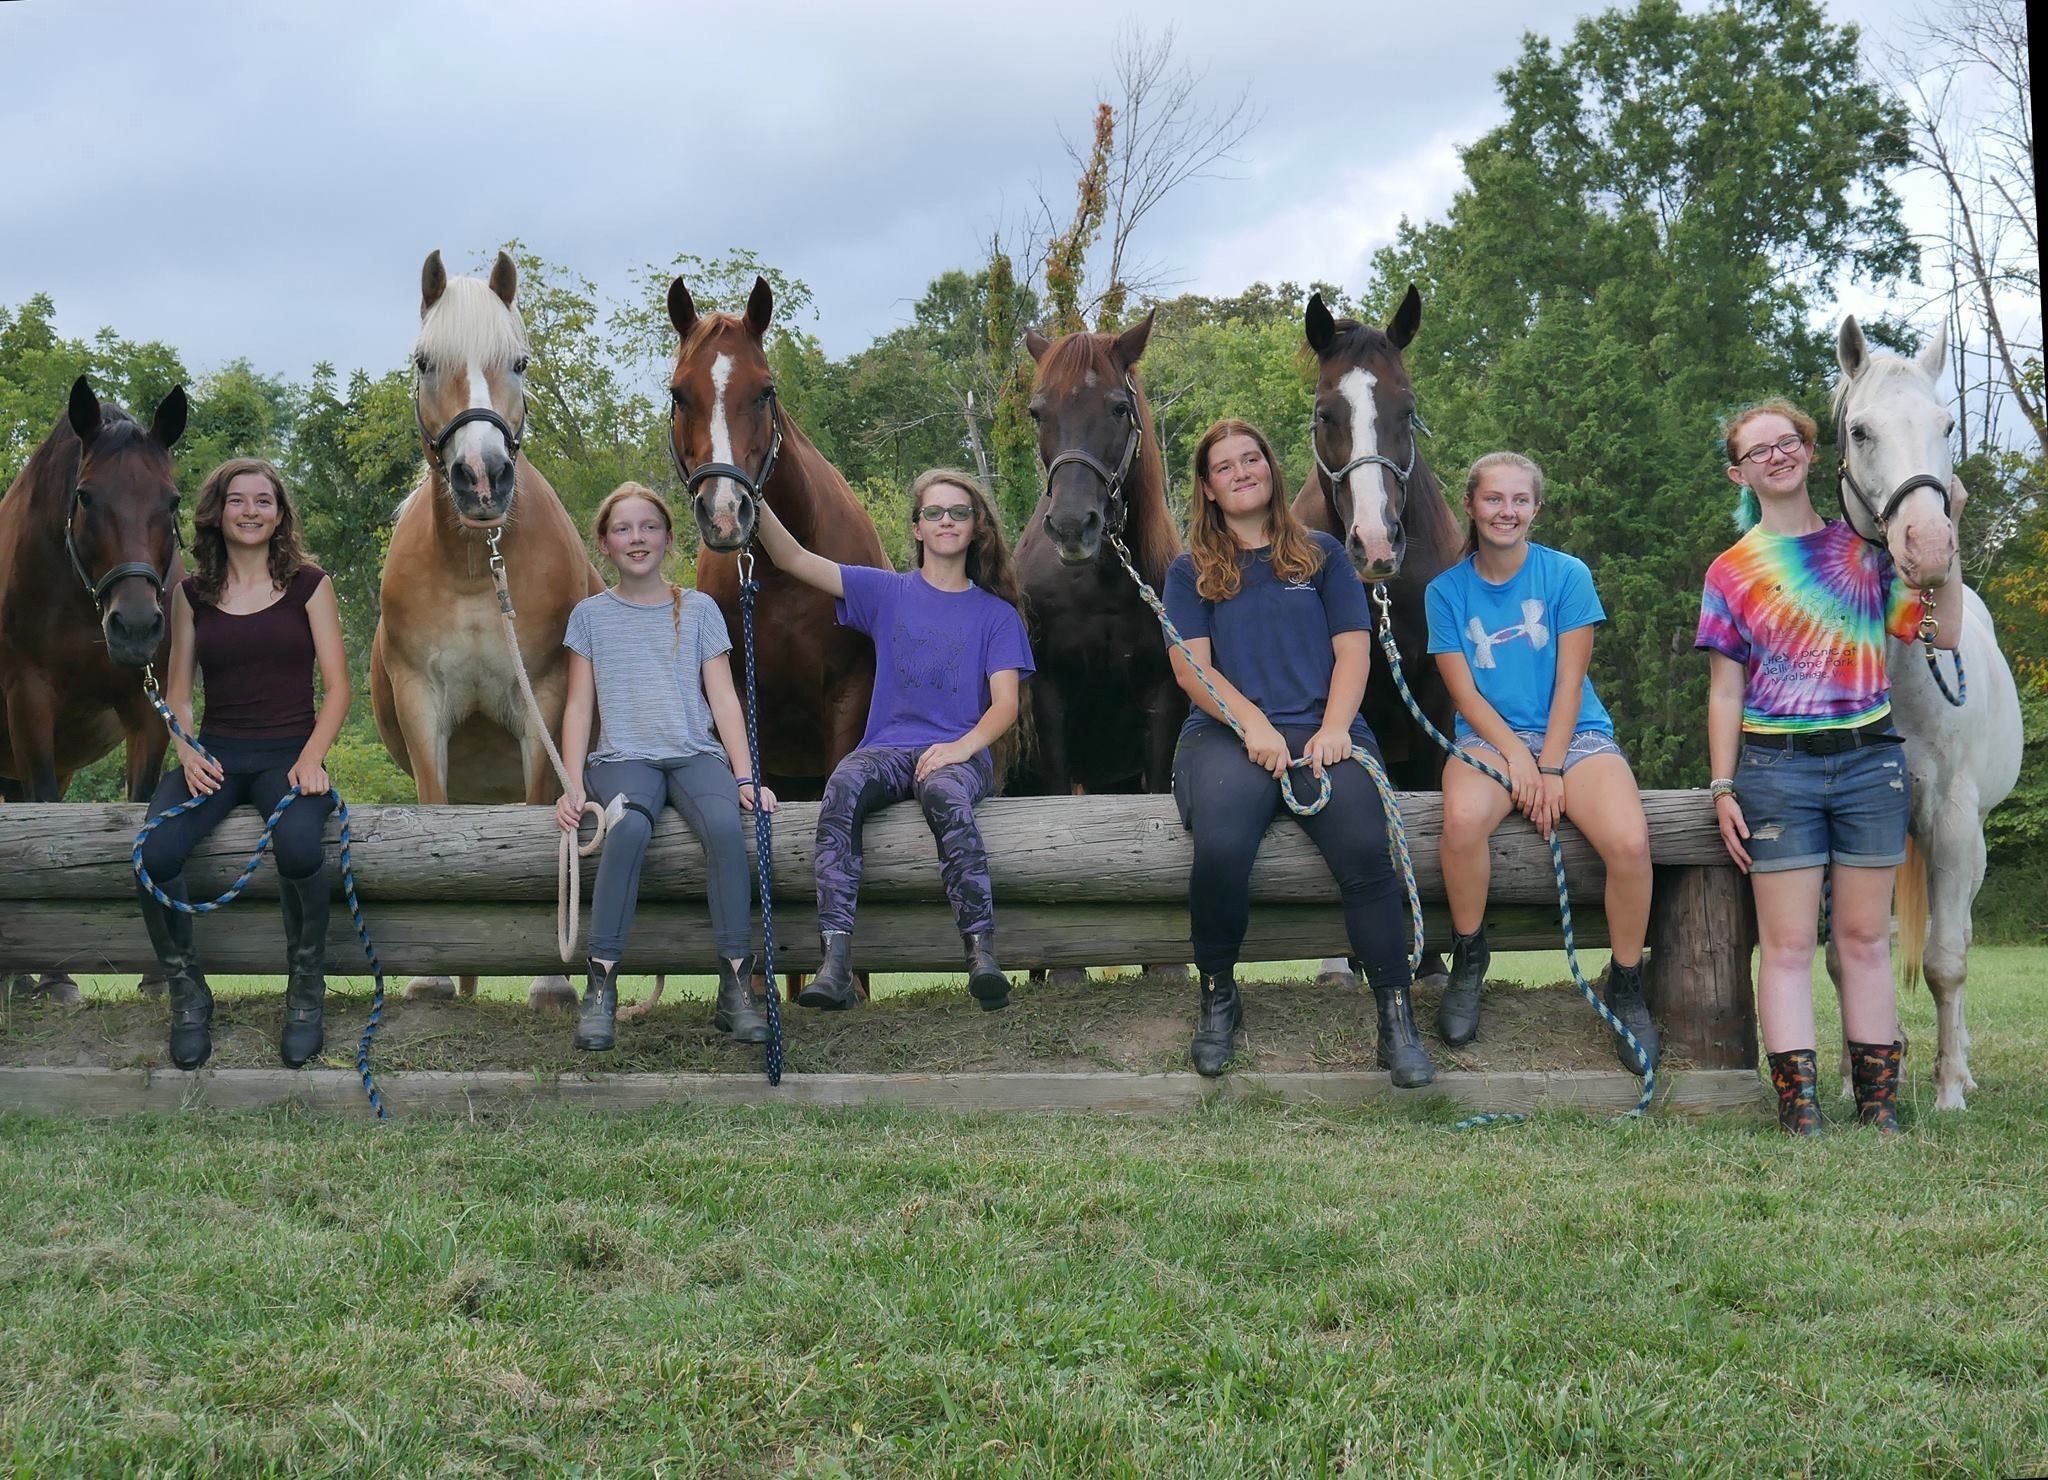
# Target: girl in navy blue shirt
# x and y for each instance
(1275, 617)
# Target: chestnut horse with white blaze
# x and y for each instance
(1373, 491)
(444, 680)
(88, 546)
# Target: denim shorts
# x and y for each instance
(1585, 743)
(1807, 810)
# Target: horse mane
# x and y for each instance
(1883, 366)
(472, 325)
(1148, 523)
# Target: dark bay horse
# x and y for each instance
(734, 443)
(1105, 705)
(88, 548)
(1373, 491)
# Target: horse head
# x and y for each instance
(1892, 431)
(121, 526)
(1366, 430)
(724, 426)
(1093, 423)
(469, 395)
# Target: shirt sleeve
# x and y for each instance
(1443, 614)
(1720, 630)
(870, 595)
(577, 638)
(1344, 605)
(1904, 606)
(1184, 604)
(1578, 604)
(1008, 645)
(713, 637)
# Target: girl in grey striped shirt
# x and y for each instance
(650, 657)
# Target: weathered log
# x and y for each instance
(1042, 850)
(1698, 983)
(519, 939)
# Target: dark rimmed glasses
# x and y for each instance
(958, 513)
(1785, 446)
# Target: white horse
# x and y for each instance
(1893, 430)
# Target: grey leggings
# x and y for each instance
(702, 789)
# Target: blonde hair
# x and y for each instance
(612, 500)
(1483, 465)
(1210, 543)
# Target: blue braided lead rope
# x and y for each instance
(1564, 899)
(764, 827)
(234, 890)
(1962, 688)
(1390, 807)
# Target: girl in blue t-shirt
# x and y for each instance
(950, 658)
(1276, 618)
(1512, 629)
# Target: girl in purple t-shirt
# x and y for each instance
(950, 655)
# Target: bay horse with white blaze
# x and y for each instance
(1373, 491)
(88, 545)
(444, 680)
(1892, 432)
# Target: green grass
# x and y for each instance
(1249, 1289)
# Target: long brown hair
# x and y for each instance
(989, 567)
(1480, 467)
(1216, 552)
(210, 547)
(603, 516)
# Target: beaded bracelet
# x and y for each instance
(1721, 786)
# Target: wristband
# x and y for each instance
(1721, 786)
(742, 781)
(1557, 771)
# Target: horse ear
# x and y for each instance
(1130, 344)
(1318, 325)
(84, 411)
(1407, 319)
(505, 279)
(433, 282)
(1852, 353)
(1935, 353)
(682, 308)
(1037, 343)
(760, 307)
(168, 425)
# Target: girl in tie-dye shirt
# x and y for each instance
(1808, 772)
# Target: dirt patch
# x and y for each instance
(1135, 1023)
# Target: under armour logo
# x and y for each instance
(1485, 642)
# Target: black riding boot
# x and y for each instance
(1401, 1048)
(305, 993)
(739, 1012)
(833, 988)
(1457, 1011)
(596, 1028)
(985, 980)
(1222, 1013)
(1625, 1001)
(170, 933)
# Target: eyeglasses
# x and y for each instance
(958, 513)
(1788, 444)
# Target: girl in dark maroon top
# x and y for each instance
(253, 619)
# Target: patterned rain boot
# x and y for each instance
(1457, 1011)
(739, 1012)
(305, 993)
(1796, 1077)
(597, 1026)
(1625, 1001)
(833, 989)
(1400, 1049)
(1874, 1070)
(1222, 1014)
(985, 980)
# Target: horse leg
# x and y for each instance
(1162, 737)
(147, 743)
(1055, 768)
(32, 726)
(1955, 871)
(425, 731)
(542, 788)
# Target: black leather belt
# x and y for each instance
(1826, 742)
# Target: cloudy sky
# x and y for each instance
(264, 179)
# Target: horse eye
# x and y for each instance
(678, 395)
(1123, 410)
(1859, 433)
(420, 364)
(1036, 414)
(519, 365)
(767, 395)
(84, 499)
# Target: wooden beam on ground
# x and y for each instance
(94, 935)
(1042, 850)
(99, 1092)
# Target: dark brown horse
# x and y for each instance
(88, 548)
(1373, 491)
(735, 444)
(1104, 703)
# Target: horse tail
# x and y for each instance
(1910, 909)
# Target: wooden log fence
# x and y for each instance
(1079, 881)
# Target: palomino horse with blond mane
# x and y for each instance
(1962, 745)
(444, 679)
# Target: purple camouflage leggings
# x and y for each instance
(880, 776)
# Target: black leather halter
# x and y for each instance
(1113, 480)
(752, 483)
(1416, 432)
(97, 590)
(1880, 514)
(437, 445)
